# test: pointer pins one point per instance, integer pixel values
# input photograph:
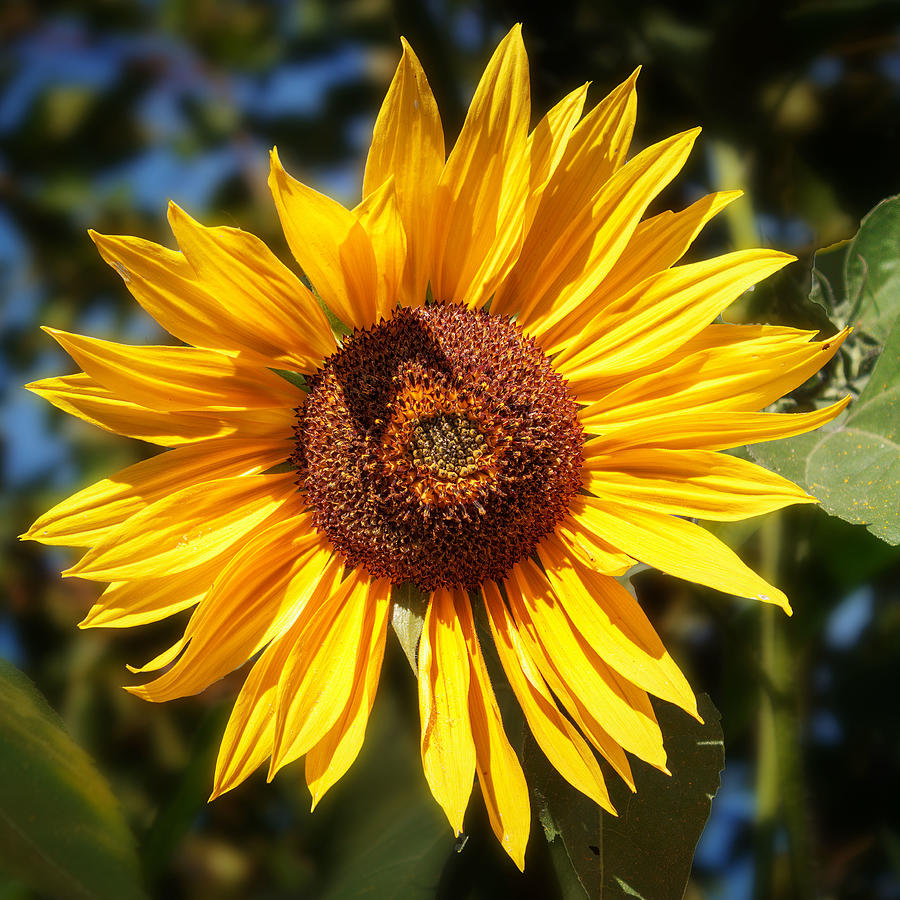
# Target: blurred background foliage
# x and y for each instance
(110, 107)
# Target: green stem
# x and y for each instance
(780, 787)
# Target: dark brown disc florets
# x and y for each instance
(438, 447)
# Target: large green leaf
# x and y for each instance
(854, 467)
(858, 281)
(872, 271)
(61, 830)
(646, 851)
(572, 823)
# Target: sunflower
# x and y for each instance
(525, 398)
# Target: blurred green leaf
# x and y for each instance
(853, 468)
(180, 809)
(646, 851)
(390, 839)
(61, 830)
(400, 858)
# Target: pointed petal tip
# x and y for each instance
(517, 856)
(175, 213)
(139, 690)
(274, 766)
(97, 237)
(275, 164)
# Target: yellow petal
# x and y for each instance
(240, 270)
(186, 529)
(322, 668)
(330, 758)
(612, 623)
(622, 709)
(127, 603)
(594, 151)
(675, 546)
(168, 287)
(717, 336)
(738, 375)
(478, 214)
(331, 246)
(248, 606)
(88, 516)
(448, 749)
(699, 484)
(408, 144)
(656, 244)
(594, 552)
(582, 714)
(662, 313)
(575, 266)
(547, 145)
(177, 378)
(563, 746)
(379, 214)
(500, 775)
(688, 430)
(81, 396)
(161, 660)
(247, 742)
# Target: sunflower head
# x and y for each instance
(438, 447)
(529, 397)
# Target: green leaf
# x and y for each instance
(858, 281)
(390, 838)
(568, 815)
(61, 830)
(853, 468)
(179, 810)
(872, 271)
(646, 851)
(408, 617)
(295, 378)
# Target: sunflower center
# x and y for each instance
(438, 447)
(448, 445)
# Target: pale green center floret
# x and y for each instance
(448, 444)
